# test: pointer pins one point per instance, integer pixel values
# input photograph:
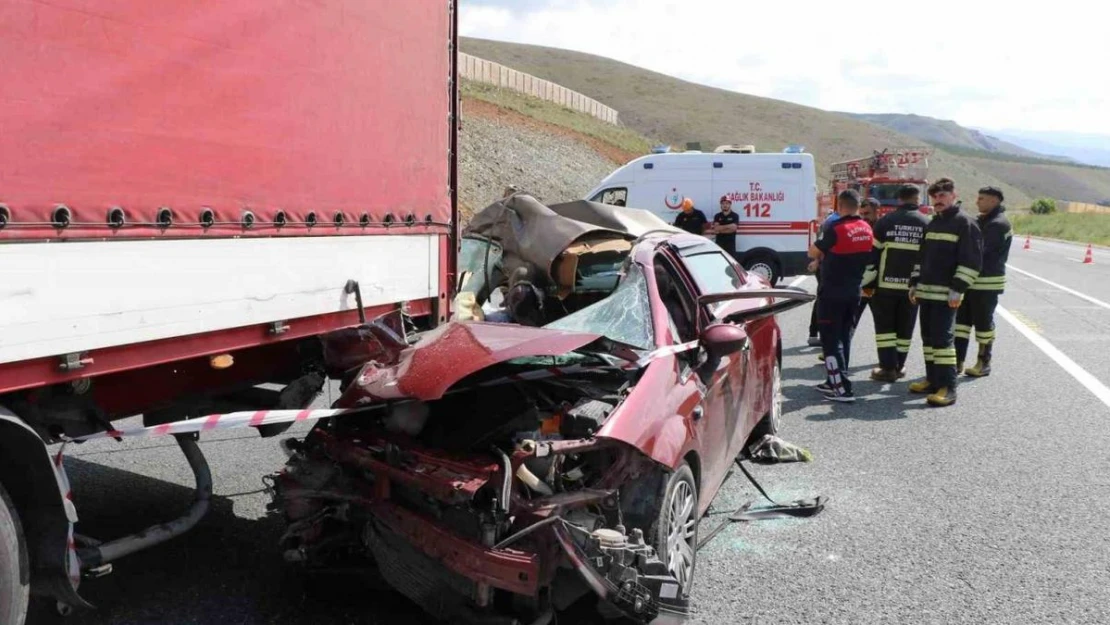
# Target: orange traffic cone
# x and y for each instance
(1088, 259)
(1026, 242)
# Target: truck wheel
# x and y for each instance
(766, 266)
(677, 527)
(14, 578)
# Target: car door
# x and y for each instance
(735, 379)
(723, 407)
(711, 431)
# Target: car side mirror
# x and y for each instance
(722, 339)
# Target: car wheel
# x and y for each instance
(772, 420)
(765, 266)
(14, 582)
(677, 527)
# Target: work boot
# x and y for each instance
(922, 387)
(982, 366)
(959, 366)
(943, 397)
(884, 375)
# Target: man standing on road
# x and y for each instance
(869, 212)
(815, 267)
(982, 296)
(725, 225)
(843, 249)
(949, 261)
(898, 238)
(690, 219)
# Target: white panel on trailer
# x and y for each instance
(59, 298)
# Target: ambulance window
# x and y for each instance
(617, 196)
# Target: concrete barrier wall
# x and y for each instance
(1080, 207)
(490, 73)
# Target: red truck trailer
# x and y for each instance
(199, 199)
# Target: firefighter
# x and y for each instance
(690, 219)
(982, 297)
(948, 263)
(898, 238)
(844, 249)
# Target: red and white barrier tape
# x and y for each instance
(73, 564)
(670, 350)
(256, 418)
(231, 420)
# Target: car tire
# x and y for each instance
(676, 538)
(772, 420)
(14, 578)
(764, 265)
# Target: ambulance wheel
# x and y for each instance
(765, 266)
(14, 576)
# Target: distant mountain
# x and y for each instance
(942, 132)
(673, 111)
(1083, 148)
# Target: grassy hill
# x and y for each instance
(676, 111)
(949, 134)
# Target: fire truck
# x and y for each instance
(879, 176)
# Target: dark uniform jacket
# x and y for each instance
(846, 244)
(997, 236)
(692, 222)
(951, 255)
(898, 237)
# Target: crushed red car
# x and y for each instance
(563, 435)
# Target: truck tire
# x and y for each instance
(14, 577)
(764, 265)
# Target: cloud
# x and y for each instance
(967, 61)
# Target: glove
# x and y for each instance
(954, 298)
(913, 295)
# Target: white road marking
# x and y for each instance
(1090, 299)
(797, 281)
(1067, 364)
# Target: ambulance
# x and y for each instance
(774, 194)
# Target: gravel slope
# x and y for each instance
(500, 147)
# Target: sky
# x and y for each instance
(982, 63)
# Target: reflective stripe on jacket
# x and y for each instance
(951, 255)
(997, 236)
(898, 237)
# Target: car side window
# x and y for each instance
(680, 306)
(713, 273)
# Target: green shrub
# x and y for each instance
(1043, 206)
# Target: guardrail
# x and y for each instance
(488, 72)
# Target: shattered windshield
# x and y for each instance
(624, 316)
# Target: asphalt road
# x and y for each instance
(994, 510)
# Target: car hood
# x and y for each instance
(456, 350)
